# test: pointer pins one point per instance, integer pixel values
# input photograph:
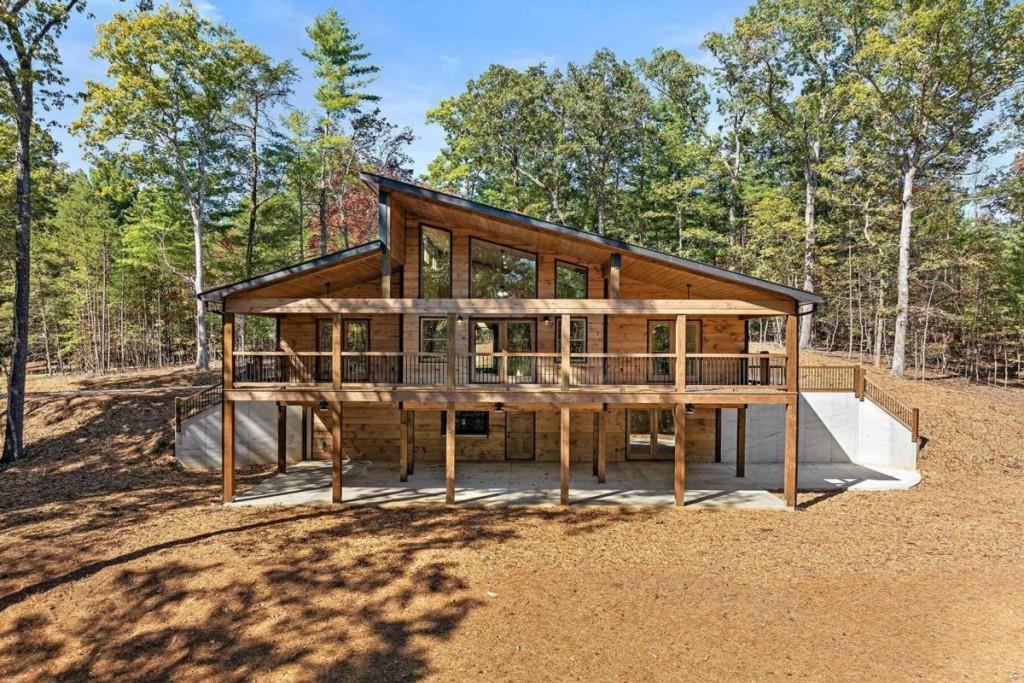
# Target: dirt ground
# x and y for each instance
(115, 565)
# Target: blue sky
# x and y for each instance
(428, 50)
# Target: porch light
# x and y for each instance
(460, 321)
(547, 320)
(499, 407)
(689, 408)
(323, 406)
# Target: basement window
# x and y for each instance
(467, 422)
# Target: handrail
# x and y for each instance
(904, 414)
(188, 406)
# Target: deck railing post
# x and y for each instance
(765, 380)
(452, 357)
(565, 342)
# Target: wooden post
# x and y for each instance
(602, 444)
(228, 407)
(858, 381)
(177, 413)
(403, 445)
(741, 441)
(679, 471)
(765, 377)
(228, 448)
(384, 234)
(790, 467)
(411, 427)
(336, 364)
(652, 420)
(614, 268)
(718, 435)
(862, 384)
(452, 375)
(282, 437)
(449, 456)
(336, 451)
(792, 354)
(680, 353)
(566, 336)
(564, 456)
(305, 432)
(915, 425)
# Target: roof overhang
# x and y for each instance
(379, 183)
(219, 293)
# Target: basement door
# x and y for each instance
(520, 435)
(650, 434)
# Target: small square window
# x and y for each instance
(468, 422)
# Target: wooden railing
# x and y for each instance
(411, 368)
(830, 378)
(907, 416)
(188, 406)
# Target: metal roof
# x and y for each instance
(218, 293)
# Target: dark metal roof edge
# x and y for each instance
(375, 182)
(218, 293)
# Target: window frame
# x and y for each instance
(474, 435)
(558, 338)
(432, 359)
(451, 262)
(577, 267)
(536, 267)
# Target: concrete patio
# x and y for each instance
(709, 485)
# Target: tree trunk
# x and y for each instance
(14, 428)
(899, 344)
(323, 219)
(810, 237)
(202, 347)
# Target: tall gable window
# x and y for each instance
(570, 281)
(499, 272)
(435, 263)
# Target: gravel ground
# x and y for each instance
(114, 565)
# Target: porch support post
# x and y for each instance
(336, 364)
(449, 455)
(679, 471)
(336, 451)
(614, 267)
(452, 358)
(741, 441)
(652, 419)
(792, 354)
(602, 444)
(680, 353)
(565, 341)
(790, 467)
(403, 444)
(228, 408)
(564, 449)
(282, 437)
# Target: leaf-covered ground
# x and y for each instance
(115, 565)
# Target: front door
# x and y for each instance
(519, 435)
(356, 338)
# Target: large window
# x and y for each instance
(468, 422)
(433, 336)
(570, 281)
(577, 337)
(498, 272)
(435, 263)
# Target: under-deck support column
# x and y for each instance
(564, 453)
(335, 451)
(282, 437)
(403, 444)
(602, 444)
(741, 441)
(228, 408)
(449, 455)
(790, 466)
(679, 470)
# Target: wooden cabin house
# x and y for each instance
(468, 333)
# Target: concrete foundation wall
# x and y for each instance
(834, 427)
(198, 444)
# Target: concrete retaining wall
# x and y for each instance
(198, 444)
(834, 427)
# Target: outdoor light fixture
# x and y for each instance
(499, 407)
(460, 321)
(323, 406)
(547, 320)
(689, 408)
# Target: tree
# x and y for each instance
(340, 63)
(926, 73)
(264, 85)
(172, 77)
(28, 57)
